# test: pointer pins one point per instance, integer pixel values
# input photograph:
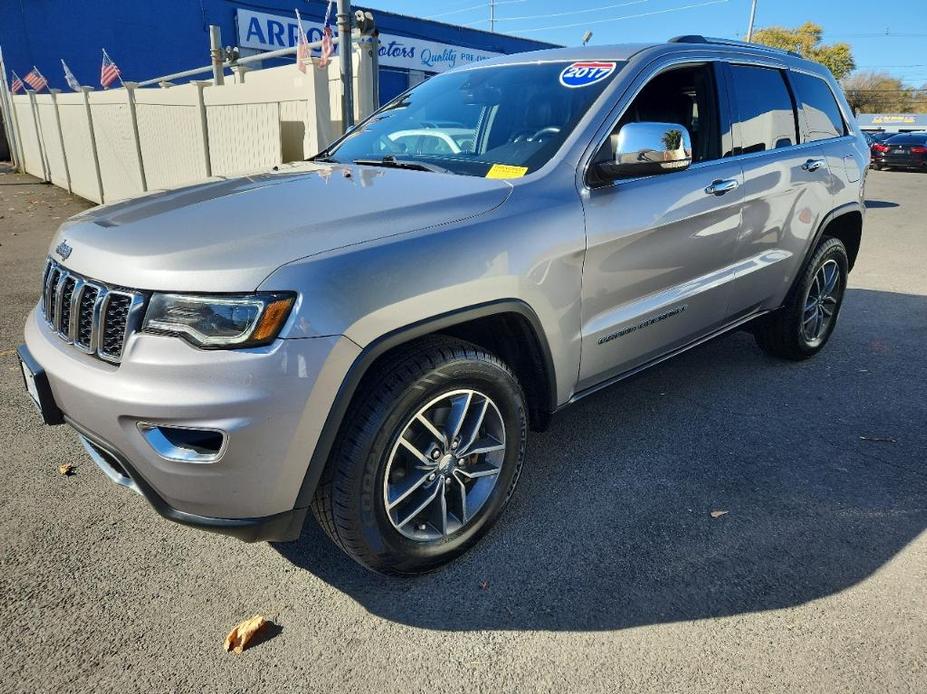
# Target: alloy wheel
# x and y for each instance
(444, 465)
(821, 303)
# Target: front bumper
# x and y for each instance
(271, 403)
(280, 527)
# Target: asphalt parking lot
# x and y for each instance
(607, 572)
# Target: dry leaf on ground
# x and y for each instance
(66, 469)
(718, 514)
(239, 637)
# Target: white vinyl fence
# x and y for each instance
(110, 145)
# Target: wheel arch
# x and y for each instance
(844, 223)
(510, 328)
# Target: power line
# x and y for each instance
(885, 35)
(571, 12)
(886, 91)
(481, 6)
(618, 19)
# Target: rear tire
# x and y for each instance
(804, 324)
(405, 440)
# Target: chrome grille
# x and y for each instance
(85, 316)
(114, 323)
(94, 317)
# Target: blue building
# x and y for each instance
(150, 39)
(892, 122)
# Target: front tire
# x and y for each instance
(428, 456)
(804, 324)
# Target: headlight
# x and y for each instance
(221, 321)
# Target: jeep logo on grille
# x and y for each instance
(63, 249)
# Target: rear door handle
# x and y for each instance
(721, 186)
(813, 164)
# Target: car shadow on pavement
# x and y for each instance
(818, 464)
(878, 204)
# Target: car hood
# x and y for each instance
(229, 235)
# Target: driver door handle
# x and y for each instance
(813, 164)
(721, 186)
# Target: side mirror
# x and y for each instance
(643, 149)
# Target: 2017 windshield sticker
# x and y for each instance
(583, 74)
(506, 171)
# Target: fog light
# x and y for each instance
(182, 444)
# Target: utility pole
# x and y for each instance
(492, 15)
(215, 54)
(346, 60)
(752, 19)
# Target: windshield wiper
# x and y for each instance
(394, 163)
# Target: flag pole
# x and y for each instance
(6, 105)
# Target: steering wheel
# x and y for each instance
(549, 130)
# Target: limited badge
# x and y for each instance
(585, 73)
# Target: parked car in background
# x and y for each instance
(372, 334)
(903, 151)
(875, 137)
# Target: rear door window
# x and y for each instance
(822, 114)
(764, 109)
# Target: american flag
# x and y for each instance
(109, 72)
(17, 84)
(327, 45)
(302, 47)
(35, 79)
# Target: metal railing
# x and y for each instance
(229, 64)
(30, 148)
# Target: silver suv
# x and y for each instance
(372, 333)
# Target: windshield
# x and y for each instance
(501, 122)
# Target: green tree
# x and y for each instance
(806, 41)
(878, 92)
(672, 140)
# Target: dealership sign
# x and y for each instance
(269, 32)
(894, 120)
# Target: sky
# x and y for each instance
(893, 41)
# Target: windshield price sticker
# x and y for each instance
(506, 171)
(585, 73)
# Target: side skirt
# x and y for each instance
(653, 362)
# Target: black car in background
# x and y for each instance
(876, 136)
(904, 151)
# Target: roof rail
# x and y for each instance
(698, 38)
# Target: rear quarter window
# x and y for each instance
(822, 114)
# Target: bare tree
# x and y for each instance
(878, 92)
